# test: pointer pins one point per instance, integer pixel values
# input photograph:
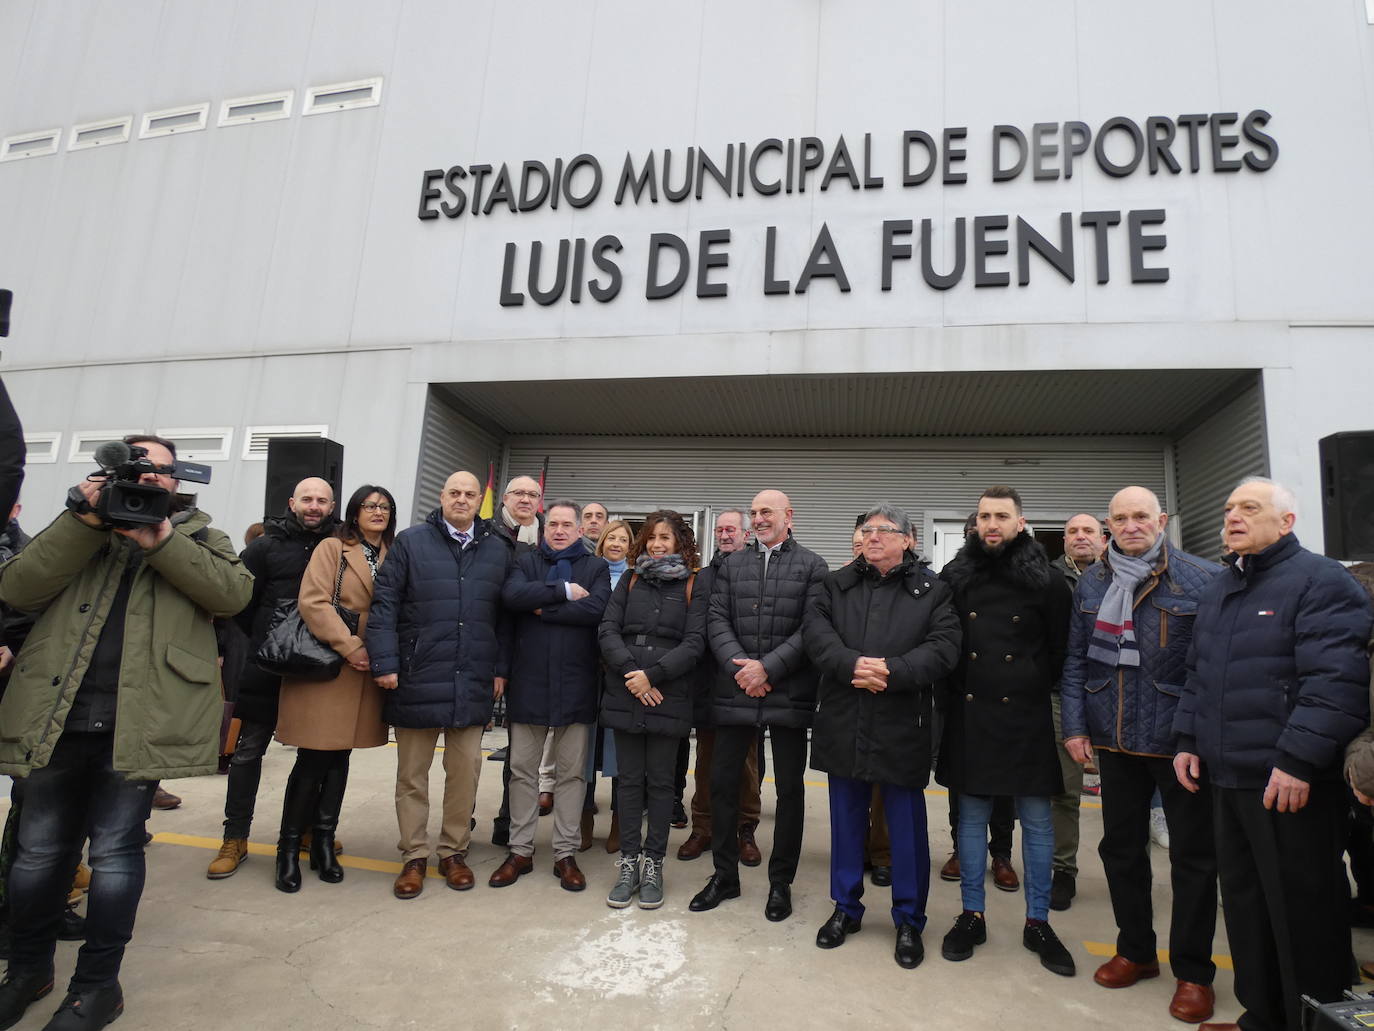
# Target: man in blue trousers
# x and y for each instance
(880, 632)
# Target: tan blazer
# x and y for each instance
(345, 712)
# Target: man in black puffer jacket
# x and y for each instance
(754, 629)
(277, 561)
(439, 644)
(1277, 686)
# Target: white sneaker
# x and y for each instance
(1159, 829)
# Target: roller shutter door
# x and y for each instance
(1210, 459)
(832, 481)
(449, 442)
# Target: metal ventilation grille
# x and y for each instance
(256, 437)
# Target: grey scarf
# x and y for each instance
(1113, 641)
(663, 569)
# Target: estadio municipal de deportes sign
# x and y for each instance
(989, 247)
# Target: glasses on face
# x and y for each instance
(376, 506)
(527, 495)
(869, 531)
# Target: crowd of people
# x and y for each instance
(1228, 694)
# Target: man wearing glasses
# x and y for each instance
(758, 598)
(519, 520)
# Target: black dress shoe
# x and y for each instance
(835, 930)
(86, 1011)
(882, 876)
(18, 992)
(711, 896)
(73, 926)
(909, 951)
(779, 905)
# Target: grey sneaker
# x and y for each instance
(626, 882)
(651, 888)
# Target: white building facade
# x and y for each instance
(861, 251)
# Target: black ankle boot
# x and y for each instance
(297, 807)
(322, 857)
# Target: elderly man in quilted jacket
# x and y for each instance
(1132, 623)
(1276, 689)
(754, 629)
(116, 687)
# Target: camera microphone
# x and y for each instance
(112, 453)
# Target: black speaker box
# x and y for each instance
(1347, 470)
(292, 459)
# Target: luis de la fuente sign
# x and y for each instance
(1120, 147)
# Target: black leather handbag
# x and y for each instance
(291, 650)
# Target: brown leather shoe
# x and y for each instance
(411, 880)
(1192, 1003)
(694, 846)
(1120, 972)
(545, 803)
(1004, 875)
(950, 871)
(569, 876)
(511, 870)
(456, 872)
(165, 799)
(749, 853)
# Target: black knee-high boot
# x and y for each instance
(297, 809)
(322, 857)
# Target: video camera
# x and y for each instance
(123, 501)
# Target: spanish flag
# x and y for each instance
(488, 508)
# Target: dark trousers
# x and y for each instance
(680, 767)
(645, 771)
(999, 827)
(905, 809)
(245, 773)
(1128, 783)
(1285, 893)
(789, 767)
(78, 795)
(1359, 843)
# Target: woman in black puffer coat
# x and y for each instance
(652, 637)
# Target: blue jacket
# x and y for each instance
(1277, 675)
(436, 620)
(556, 671)
(1131, 708)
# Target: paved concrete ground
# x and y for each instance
(238, 953)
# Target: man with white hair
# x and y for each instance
(1277, 687)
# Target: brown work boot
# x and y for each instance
(456, 872)
(950, 871)
(232, 852)
(569, 876)
(511, 870)
(694, 846)
(749, 853)
(1004, 875)
(411, 880)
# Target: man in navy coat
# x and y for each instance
(1277, 686)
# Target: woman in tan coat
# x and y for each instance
(326, 719)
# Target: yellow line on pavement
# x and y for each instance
(1108, 949)
(260, 849)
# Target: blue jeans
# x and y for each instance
(905, 809)
(78, 795)
(1037, 851)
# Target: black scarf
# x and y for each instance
(560, 571)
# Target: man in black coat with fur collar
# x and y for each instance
(999, 735)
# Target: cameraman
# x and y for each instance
(116, 688)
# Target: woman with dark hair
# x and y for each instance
(652, 637)
(326, 719)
